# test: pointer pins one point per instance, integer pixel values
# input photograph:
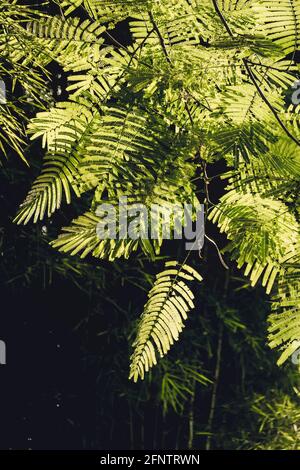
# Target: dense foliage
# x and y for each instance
(198, 93)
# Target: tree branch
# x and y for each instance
(161, 39)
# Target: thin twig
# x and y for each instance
(218, 251)
(191, 417)
(215, 388)
(161, 39)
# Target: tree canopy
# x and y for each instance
(194, 107)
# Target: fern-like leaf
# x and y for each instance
(284, 322)
(170, 300)
(281, 22)
(261, 230)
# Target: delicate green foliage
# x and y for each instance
(201, 81)
(81, 237)
(284, 328)
(64, 136)
(17, 69)
(281, 23)
(106, 10)
(275, 173)
(170, 300)
(178, 383)
(278, 418)
(261, 231)
(110, 151)
(63, 39)
(11, 132)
